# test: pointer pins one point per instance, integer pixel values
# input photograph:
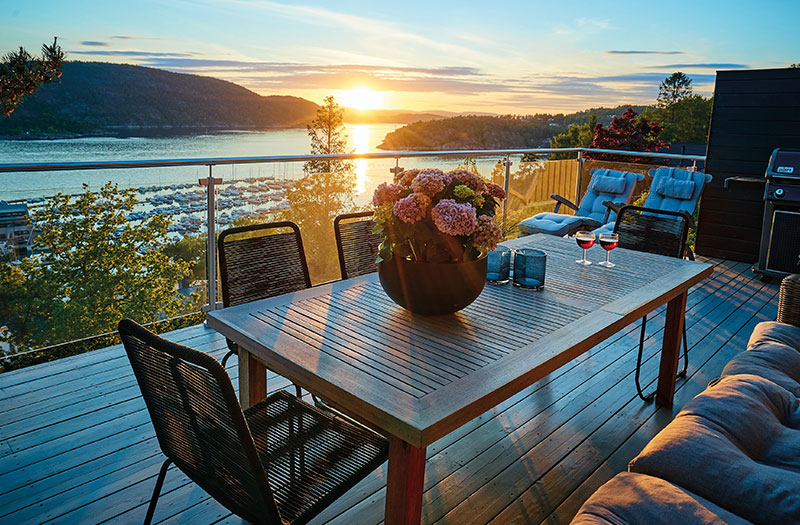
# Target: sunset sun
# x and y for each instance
(362, 98)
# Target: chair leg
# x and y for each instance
(645, 397)
(156, 492)
(682, 373)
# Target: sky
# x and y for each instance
(506, 57)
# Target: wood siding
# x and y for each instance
(754, 112)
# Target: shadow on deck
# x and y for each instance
(76, 442)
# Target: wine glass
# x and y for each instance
(585, 240)
(608, 241)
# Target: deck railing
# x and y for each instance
(564, 177)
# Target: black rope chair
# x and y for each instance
(260, 261)
(280, 461)
(654, 231)
(357, 245)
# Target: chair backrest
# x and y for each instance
(607, 185)
(357, 245)
(674, 189)
(642, 230)
(256, 262)
(198, 422)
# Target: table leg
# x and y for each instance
(404, 483)
(252, 379)
(670, 350)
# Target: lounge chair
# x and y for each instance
(606, 186)
(672, 189)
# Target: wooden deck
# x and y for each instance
(76, 444)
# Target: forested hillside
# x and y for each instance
(488, 132)
(102, 98)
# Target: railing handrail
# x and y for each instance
(221, 161)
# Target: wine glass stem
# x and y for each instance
(607, 255)
(584, 255)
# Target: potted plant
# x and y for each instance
(437, 228)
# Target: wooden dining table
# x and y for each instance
(416, 378)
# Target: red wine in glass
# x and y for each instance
(608, 241)
(585, 240)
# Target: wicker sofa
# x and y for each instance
(732, 455)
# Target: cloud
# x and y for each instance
(711, 65)
(95, 43)
(141, 54)
(127, 37)
(637, 52)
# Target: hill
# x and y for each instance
(492, 132)
(95, 98)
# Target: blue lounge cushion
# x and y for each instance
(605, 184)
(677, 189)
(555, 224)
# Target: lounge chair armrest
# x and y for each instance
(561, 200)
(611, 206)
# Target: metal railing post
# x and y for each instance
(580, 174)
(211, 262)
(505, 188)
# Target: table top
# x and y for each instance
(418, 377)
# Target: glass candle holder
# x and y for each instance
(498, 265)
(529, 268)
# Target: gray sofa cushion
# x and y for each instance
(771, 332)
(637, 498)
(737, 444)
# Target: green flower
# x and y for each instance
(463, 192)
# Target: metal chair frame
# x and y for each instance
(683, 251)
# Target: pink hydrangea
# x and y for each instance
(487, 234)
(495, 191)
(412, 208)
(430, 182)
(405, 177)
(453, 218)
(469, 179)
(386, 194)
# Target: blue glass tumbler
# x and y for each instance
(498, 265)
(529, 268)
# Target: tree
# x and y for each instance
(673, 88)
(627, 133)
(688, 120)
(92, 268)
(794, 66)
(328, 137)
(21, 74)
(576, 136)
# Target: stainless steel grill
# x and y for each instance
(780, 230)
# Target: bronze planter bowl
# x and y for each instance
(432, 288)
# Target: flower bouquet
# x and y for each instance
(432, 216)
(437, 228)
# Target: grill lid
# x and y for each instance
(784, 164)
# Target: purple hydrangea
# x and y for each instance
(487, 234)
(405, 177)
(412, 208)
(495, 191)
(430, 182)
(386, 194)
(469, 179)
(453, 218)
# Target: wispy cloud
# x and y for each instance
(95, 43)
(640, 52)
(711, 65)
(141, 54)
(128, 37)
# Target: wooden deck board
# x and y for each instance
(76, 443)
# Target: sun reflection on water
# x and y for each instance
(361, 135)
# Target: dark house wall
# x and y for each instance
(754, 112)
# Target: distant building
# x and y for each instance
(15, 230)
